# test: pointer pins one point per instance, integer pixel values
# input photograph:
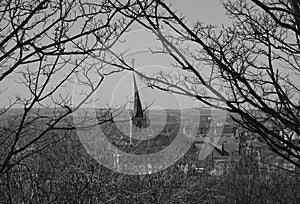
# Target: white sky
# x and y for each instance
(117, 88)
(208, 11)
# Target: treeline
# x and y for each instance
(62, 172)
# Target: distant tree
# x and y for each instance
(250, 68)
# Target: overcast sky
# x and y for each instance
(118, 88)
(208, 11)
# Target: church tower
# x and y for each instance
(138, 112)
(139, 120)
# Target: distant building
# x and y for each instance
(140, 119)
(227, 142)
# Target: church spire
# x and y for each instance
(137, 106)
(139, 119)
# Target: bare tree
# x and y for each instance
(250, 68)
(46, 48)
